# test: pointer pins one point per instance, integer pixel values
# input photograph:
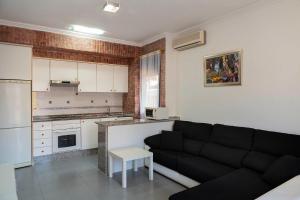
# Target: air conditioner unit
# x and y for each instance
(189, 41)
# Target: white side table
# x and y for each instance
(129, 154)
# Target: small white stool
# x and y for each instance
(129, 154)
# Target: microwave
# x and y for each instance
(157, 113)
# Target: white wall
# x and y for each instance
(171, 75)
(269, 98)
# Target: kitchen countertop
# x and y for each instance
(135, 121)
(46, 118)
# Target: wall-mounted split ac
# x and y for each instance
(189, 41)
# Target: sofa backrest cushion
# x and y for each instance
(237, 137)
(258, 161)
(228, 144)
(171, 141)
(269, 146)
(224, 154)
(283, 169)
(193, 130)
(192, 147)
(275, 143)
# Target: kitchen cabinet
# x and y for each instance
(42, 138)
(87, 77)
(112, 78)
(105, 78)
(15, 62)
(89, 134)
(121, 79)
(63, 70)
(40, 75)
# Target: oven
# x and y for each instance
(66, 135)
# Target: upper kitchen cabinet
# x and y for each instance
(40, 75)
(87, 77)
(112, 78)
(105, 78)
(63, 70)
(15, 62)
(121, 79)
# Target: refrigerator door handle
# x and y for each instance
(15, 81)
(14, 127)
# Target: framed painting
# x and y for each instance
(223, 69)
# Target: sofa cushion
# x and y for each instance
(192, 130)
(192, 147)
(223, 154)
(258, 161)
(171, 141)
(283, 169)
(232, 136)
(241, 184)
(200, 169)
(165, 158)
(153, 141)
(276, 143)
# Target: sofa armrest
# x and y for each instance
(153, 141)
(287, 191)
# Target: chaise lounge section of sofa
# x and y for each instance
(229, 162)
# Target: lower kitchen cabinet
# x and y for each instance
(42, 138)
(89, 134)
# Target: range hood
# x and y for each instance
(56, 83)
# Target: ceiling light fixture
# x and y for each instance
(111, 6)
(86, 30)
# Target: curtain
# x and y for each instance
(149, 77)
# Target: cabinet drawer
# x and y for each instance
(42, 126)
(42, 151)
(42, 143)
(42, 134)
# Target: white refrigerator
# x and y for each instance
(15, 122)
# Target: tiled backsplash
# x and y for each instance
(62, 100)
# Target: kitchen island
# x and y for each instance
(129, 133)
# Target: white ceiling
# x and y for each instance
(136, 21)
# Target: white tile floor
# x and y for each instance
(79, 179)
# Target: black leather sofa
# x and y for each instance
(231, 163)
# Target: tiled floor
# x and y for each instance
(79, 179)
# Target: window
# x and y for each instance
(150, 74)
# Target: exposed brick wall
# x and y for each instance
(60, 41)
(155, 46)
(132, 98)
(78, 55)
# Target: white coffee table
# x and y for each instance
(129, 154)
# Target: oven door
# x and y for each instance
(66, 140)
